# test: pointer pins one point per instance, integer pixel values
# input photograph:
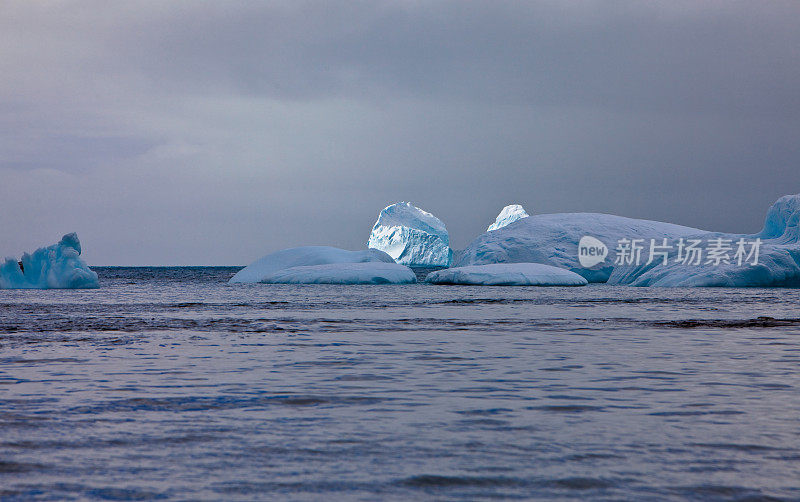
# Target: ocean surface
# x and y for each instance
(168, 383)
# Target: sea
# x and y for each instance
(171, 384)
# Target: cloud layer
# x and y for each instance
(212, 133)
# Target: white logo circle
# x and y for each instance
(591, 251)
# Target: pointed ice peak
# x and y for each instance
(509, 214)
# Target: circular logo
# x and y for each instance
(591, 251)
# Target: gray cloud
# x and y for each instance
(186, 132)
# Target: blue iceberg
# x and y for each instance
(54, 267)
(593, 245)
(552, 239)
(770, 258)
(507, 274)
(411, 236)
(325, 265)
(345, 273)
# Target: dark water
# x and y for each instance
(171, 384)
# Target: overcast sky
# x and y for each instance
(216, 132)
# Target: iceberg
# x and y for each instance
(324, 264)
(777, 263)
(54, 267)
(507, 274)
(508, 215)
(411, 236)
(345, 273)
(553, 239)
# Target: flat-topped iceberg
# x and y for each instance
(54, 267)
(552, 239)
(508, 215)
(507, 274)
(345, 273)
(411, 236)
(770, 258)
(325, 265)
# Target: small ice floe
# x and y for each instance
(507, 274)
(325, 265)
(53, 267)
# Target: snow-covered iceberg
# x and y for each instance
(770, 258)
(508, 215)
(345, 273)
(54, 267)
(552, 239)
(507, 274)
(324, 264)
(411, 236)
